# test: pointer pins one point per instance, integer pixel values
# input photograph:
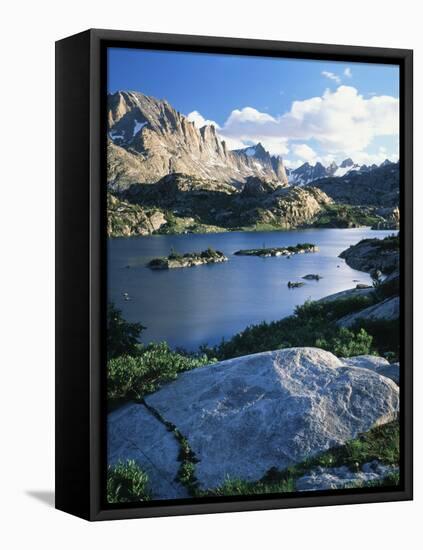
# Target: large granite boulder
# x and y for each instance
(246, 415)
(376, 364)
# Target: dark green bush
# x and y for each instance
(174, 255)
(126, 482)
(122, 336)
(132, 377)
(386, 335)
(392, 242)
(313, 324)
(346, 343)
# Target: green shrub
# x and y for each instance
(174, 255)
(126, 482)
(346, 343)
(122, 336)
(386, 335)
(209, 253)
(313, 324)
(392, 242)
(132, 377)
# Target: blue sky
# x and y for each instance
(304, 110)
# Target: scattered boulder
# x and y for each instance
(279, 407)
(361, 286)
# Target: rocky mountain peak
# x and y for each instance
(386, 162)
(154, 139)
(347, 163)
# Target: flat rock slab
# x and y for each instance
(388, 310)
(134, 433)
(346, 294)
(271, 410)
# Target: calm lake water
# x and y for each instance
(203, 304)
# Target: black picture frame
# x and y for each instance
(81, 268)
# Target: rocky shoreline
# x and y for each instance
(374, 254)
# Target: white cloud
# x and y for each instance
(304, 152)
(248, 125)
(347, 72)
(248, 115)
(292, 164)
(362, 157)
(198, 119)
(332, 76)
(276, 146)
(341, 123)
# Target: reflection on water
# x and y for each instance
(192, 306)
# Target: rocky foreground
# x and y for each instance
(245, 416)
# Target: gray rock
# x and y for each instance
(246, 415)
(387, 310)
(371, 254)
(391, 371)
(372, 362)
(133, 433)
(323, 479)
(350, 293)
(376, 364)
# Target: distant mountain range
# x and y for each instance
(166, 175)
(307, 173)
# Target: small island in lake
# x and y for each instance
(190, 259)
(301, 248)
(312, 277)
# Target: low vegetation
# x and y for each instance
(345, 216)
(187, 458)
(133, 376)
(313, 324)
(126, 482)
(381, 444)
(122, 336)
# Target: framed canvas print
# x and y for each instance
(234, 274)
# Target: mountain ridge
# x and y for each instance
(307, 173)
(154, 140)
